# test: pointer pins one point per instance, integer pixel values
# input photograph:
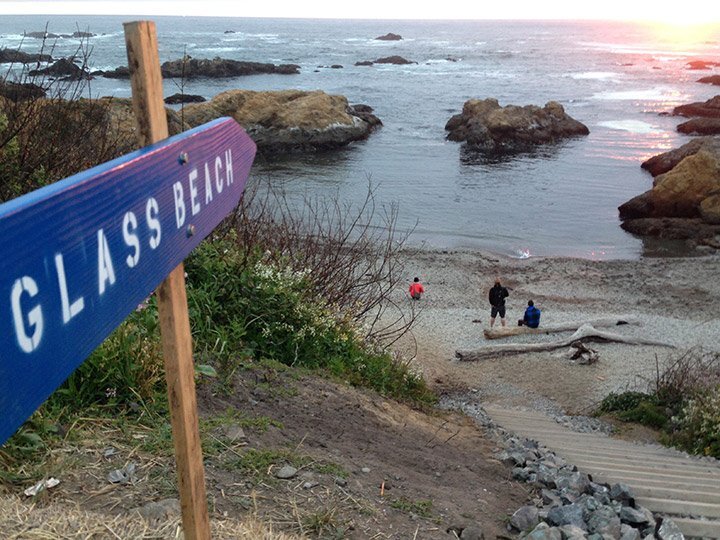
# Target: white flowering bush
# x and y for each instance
(699, 424)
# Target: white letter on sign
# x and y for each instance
(27, 343)
(208, 186)
(228, 167)
(218, 178)
(131, 238)
(194, 204)
(179, 204)
(68, 310)
(106, 271)
(151, 212)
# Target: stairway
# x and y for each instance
(663, 480)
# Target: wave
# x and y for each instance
(594, 75)
(633, 126)
(658, 93)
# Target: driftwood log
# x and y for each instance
(506, 331)
(585, 333)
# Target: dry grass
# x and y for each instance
(59, 521)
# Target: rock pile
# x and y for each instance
(571, 505)
(487, 127)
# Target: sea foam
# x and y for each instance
(633, 126)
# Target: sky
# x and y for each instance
(691, 12)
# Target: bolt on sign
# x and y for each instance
(76, 257)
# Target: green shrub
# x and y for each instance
(248, 308)
(625, 401)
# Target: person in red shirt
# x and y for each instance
(416, 289)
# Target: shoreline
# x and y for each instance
(674, 298)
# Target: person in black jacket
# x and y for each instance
(497, 297)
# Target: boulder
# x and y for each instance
(487, 127)
(19, 57)
(570, 514)
(662, 163)
(217, 68)
(525, 518)
(707, 109)
(364, 63)
(288, 120)
(700, 126)
(390, 37)
(184, 98)
(712, 79)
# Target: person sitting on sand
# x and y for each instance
(416, 289)
(531, 319)
(497, 297)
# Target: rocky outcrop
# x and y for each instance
(364, 63)
(64, 68)
(20, 91)
(176, 99)
(487, 127)
(217, 68)
(662, 163)
(684, 201)
(390, 37)
(289, 120)
(707, 109)
(192, 68)
(19, 57)
(678, 192)
(712, 79)
(700, 126)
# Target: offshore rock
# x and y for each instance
(701, 64)
(487, 127)
(217, 68)
(289, 120)
(19, 57)
(397, 60)
(390, 37)
(192, 68)
(707, 109)
(712, 79)
(184, 98)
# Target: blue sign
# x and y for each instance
(76, 257)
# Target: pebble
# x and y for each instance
(286, 472)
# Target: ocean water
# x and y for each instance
(561, 200)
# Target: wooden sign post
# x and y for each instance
(149, 108)
(79, 255)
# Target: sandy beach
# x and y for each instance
(675, 299)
